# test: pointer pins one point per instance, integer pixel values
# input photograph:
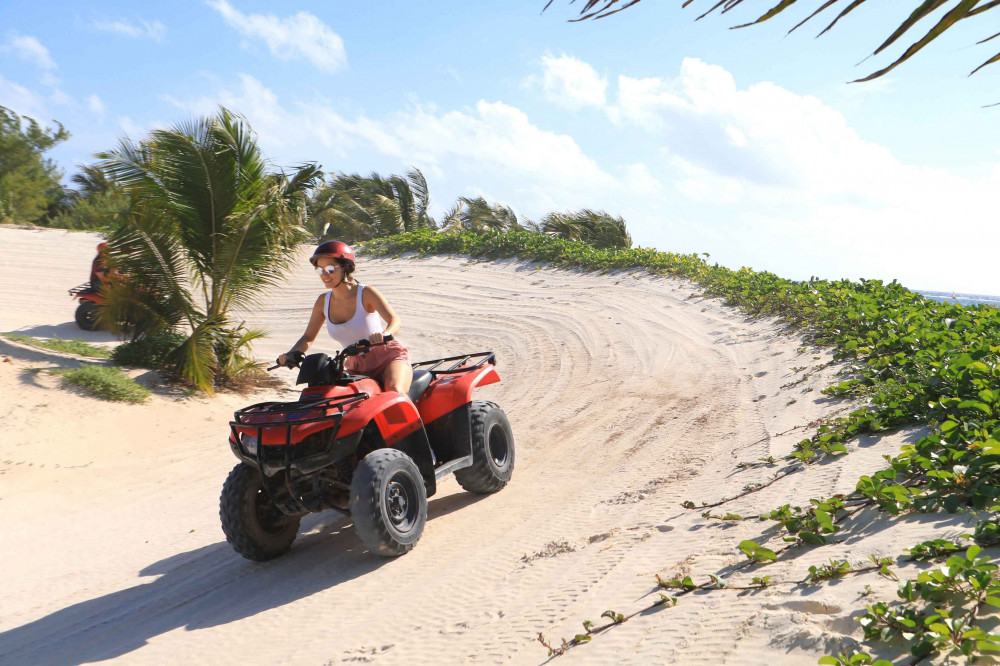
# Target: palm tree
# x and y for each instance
(962, 9)
(210, 226)
(91, 181)
(357, 208)
(594, 227)
(477, 214)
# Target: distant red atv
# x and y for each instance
(376, 456)
(90, 303)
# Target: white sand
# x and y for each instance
(627, 395)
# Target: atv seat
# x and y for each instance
(421, 380)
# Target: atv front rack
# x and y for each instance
(458, 365)
(275, 422)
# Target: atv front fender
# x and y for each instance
(393, 414)
(399, 426)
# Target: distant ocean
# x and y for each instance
(963, 299)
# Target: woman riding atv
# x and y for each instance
(355, 312)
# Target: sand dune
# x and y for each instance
(627, 395)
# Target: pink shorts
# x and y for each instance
(374, 362)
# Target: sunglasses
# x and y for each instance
(320, 270)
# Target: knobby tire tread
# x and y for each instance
(367, 515)
(480, 478)
(236, 521)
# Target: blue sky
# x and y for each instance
(749, 145)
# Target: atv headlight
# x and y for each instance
(249, 443)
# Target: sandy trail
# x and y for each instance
(627, 395)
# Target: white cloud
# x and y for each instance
(764, 134)
(569, 82)
(143, 30)
(299, 37)
(134, 130)
(21, 100)
(496, 134)
(757, 176)
(493, 146)
(277, 127)
(96, 106)
(60, 97)
(781, 181)
(29, 49)
(639, 181)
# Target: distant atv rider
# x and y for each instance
(98, 271)
(352, 312)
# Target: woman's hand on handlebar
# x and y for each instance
(290, 359)
(363, 345)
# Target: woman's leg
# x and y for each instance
(397, 376)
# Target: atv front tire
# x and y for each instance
(388, 502)
(254, 526)
(492, 450)
(86, 315)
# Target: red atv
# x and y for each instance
(376, 456)
(90, 302)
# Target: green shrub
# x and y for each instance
(100, 212)
(148, 351)
(78, 347)
(105, 383)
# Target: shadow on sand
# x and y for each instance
(67, 331)
(205, 587)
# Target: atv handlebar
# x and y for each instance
(294, 358)
(361, 346)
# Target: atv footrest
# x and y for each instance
(451, 466)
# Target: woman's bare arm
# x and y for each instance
(373, 301)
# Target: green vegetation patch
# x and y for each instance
(913, 362)
(78, 347)
(149, 351)
(105, 383)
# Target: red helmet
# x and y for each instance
(334, 250)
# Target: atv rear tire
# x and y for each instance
(388, 502)
(492, 450)
(254, 526)
(86, 315)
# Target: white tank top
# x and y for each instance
(358, 327)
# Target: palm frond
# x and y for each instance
(946, 22)
(233, 350)
(421, 194)
(195, 360)
(589, 226)
(452, 220)
(962, 9)
(372, 206)
(152, 287)
(209, 218)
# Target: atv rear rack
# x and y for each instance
(458, 365)
(304, 457)
(79, 289)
